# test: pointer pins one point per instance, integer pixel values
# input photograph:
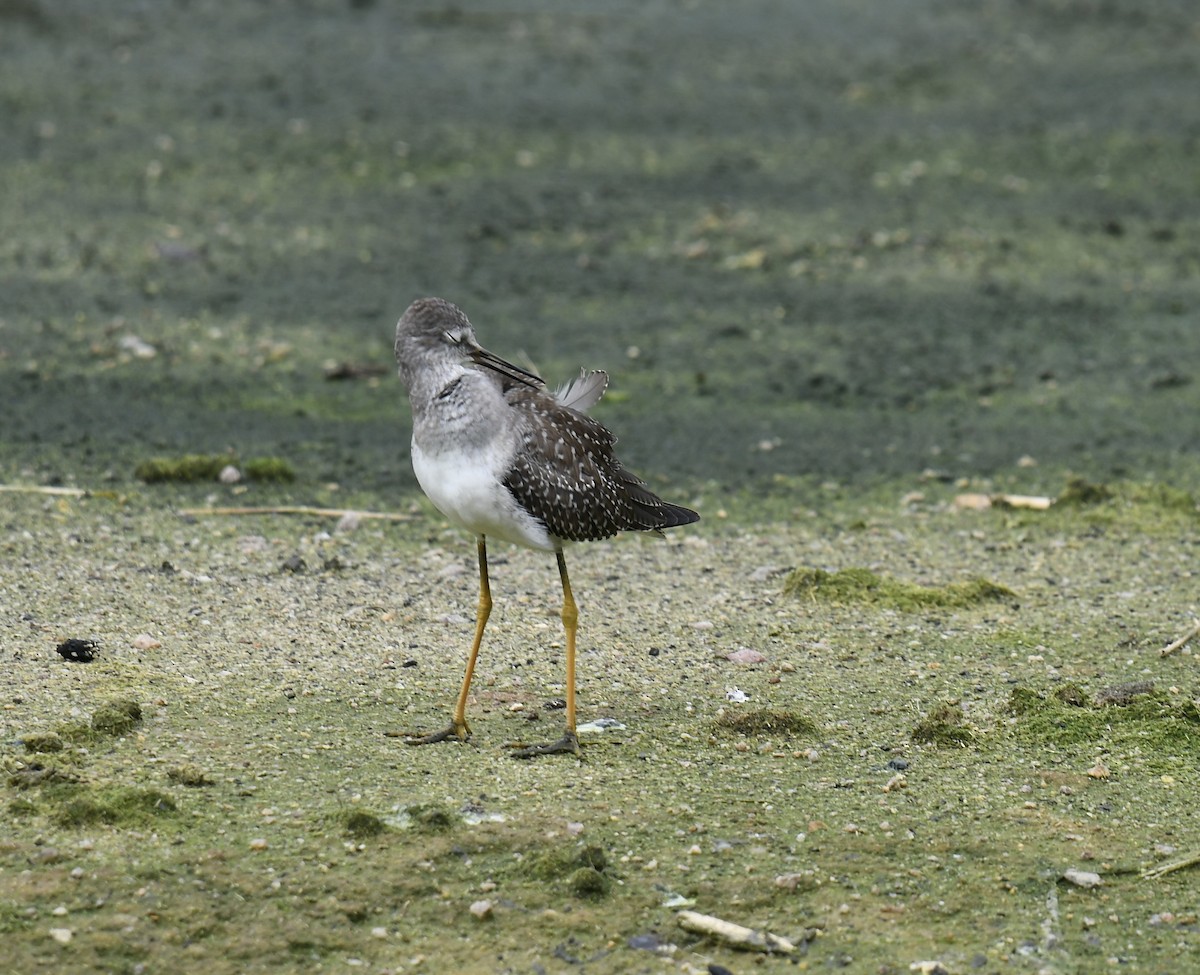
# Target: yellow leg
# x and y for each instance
(569, 742)
(570, 619)
(458, 726)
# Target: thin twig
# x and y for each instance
(39, 489)
(299, 510)
(1153, 873)
(1170, 648)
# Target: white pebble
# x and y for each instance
(1082, 878)
(482, 909)
(62, 935)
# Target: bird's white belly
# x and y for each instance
(468, 489)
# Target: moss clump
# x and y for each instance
(41, 744)
(431, 819)
(593, 857)
(117, 718)
(36, 775)
(1072, 694)
(589, 883)
(362, 825)
(113, 805)
(1164, 496)
(1081, 493)
(190, 467)
(945, 725)
(584, 870)
(190, 775)
(269, 469)
(781, 724)
(208, 467)
(1133, 716)
(865, 586)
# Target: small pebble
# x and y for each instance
(259, 844)
(599, 726)
(144, 641)
(229, 475)
(482, 909)
(62, 935)
(744, 655)
(1082, 878)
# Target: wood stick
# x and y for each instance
(1170, 648)
(1153, 873)
(298, 510)
(733, 935)
(38, 489)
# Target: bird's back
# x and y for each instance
(564, 473)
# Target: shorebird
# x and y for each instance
(503, 458)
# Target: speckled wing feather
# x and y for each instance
(565, 475)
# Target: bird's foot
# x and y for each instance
(455, 732)
(568, 743)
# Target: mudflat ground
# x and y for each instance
(846, 263)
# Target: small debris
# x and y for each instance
(744, 655)
(733, 935)
(78, 651)
(482, 909)
(652, 942)
(229, 475)
(1099, 770)
(144, 641)
(736, 695)
(599, 726)
(1082, 878)
(1033, 502)
(929, 968)
(973, 502)
(803, 880)
(677, 900)
(137, 347)
(259, 844)
(62, 935)
(294, 564)
(354, 370)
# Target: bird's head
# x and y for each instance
(433, 334)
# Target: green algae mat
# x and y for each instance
(901, 297)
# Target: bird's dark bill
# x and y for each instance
(483, 357)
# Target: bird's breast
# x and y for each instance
(467, 486)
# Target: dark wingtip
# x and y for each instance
(675, 515)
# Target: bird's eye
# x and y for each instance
(454, 338)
